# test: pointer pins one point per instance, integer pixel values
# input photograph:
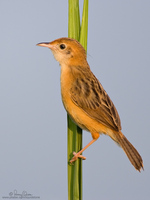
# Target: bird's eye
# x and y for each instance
(62, 46)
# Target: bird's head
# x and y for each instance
(66, 51)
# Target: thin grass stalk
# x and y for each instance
(84, 25)
(74, 132)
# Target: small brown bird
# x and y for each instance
(85, 100)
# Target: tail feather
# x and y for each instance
(131, 152)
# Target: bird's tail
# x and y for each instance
(131, 152)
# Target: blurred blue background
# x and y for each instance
(33, 126)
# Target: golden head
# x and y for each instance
(67, 51)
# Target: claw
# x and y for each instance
(76, 156)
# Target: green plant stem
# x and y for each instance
(74, 132)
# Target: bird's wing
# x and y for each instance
(88, 94)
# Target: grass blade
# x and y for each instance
(74, 132)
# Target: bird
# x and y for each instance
(85, 99)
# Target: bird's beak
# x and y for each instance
(46, 44)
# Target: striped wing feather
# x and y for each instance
(88, 94)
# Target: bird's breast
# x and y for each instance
(76, 113)
(66, 80)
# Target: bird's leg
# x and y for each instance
(78, 155)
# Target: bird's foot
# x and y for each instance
(76, 156)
